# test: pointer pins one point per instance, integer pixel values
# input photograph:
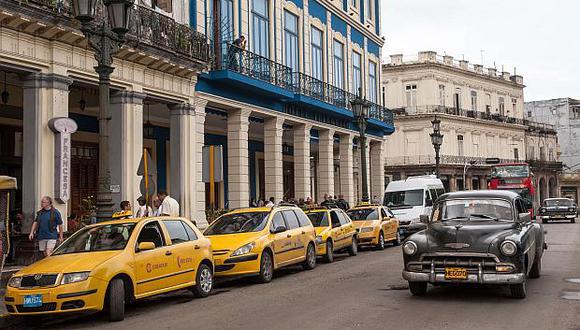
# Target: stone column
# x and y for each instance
(468, 182)
(347, 169)
(302, 160)
(325, 164)
(273, 160)
(199, 208)
(182, 158)
(238, 158)
(45, 96)
(482, 182)
(453, 183)
(126, 145)
(377, 171)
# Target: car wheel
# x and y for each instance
(536, 268)
(353, 248)
(266, 267)
(381, 244)
(573, 221)
(329, 255)
(518, 291)
(418, 288)
(203, 281)
(397, 240)
(116, 300)
(310, 261)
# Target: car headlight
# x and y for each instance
(508, 248)
(243, 250)
(15, 282)
(366, 229)
(410, 248)
(571, 209)
(318, 240)
(542, 210)
(74, 277)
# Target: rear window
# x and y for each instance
(318, 219)
(363, 214)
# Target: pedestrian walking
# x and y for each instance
(169, 206)
(45, 225)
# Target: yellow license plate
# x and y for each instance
(455, 273)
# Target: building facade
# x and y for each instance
(563, 115)
(278, 108)
(481, 113)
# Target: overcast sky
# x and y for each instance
(540, 38)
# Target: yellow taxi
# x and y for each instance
(257, 241)
(335, 232)
(103, 266)
(375, 224)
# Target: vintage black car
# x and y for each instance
(482, 237)
(558, 209)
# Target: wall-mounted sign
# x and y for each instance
(63, 128)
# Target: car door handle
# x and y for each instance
(196, 247)
(168, 253)
(303, 233)
(288, 236)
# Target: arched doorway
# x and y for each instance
(552, 187)
(542, 189)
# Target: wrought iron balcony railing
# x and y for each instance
(257, 66)
(436, 109)
(319, 90)
(146, 27)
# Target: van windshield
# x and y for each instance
(404, 199)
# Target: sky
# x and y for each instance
(540, 38)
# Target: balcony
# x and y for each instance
(541, 128)
(260, 75)
(445, 160)
(439, 109)
(159, 36)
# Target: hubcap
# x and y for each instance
(311, 259)
(206, 280)
(354, 247)
(381, 240)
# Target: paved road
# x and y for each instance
(367, 292)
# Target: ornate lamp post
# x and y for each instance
(360, 109)
(105, 37)
(437, 141)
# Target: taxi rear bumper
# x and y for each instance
(88, 295)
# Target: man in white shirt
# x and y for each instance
(169, 206)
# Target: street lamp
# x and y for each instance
(360, 109)
(106, 38)
(437, 141)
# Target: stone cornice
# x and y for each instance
(127, 97)
(47, 80)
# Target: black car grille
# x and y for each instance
(44, 308)
(39, 280)
(487, 263)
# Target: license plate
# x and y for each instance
(33, 300)
(455, 273)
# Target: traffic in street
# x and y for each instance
(366, 292)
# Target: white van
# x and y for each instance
(410, 198)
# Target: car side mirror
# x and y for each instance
(145, 246)
(524, 217)
(424, 218)
(429, 202)
(279, 229)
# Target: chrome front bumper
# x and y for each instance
(558, 217)
(471, 278)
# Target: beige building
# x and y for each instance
(481, 113)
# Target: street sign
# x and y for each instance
(492, 160)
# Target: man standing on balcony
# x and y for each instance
(234, 55)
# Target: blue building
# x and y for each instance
(280, 106)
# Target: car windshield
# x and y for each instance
(406, 198)
(318, 219)
(473, 209)
(510, 171)
(558, 202)
(363, 214)
(99, 238)
(238, 223)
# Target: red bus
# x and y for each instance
(516, 177)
